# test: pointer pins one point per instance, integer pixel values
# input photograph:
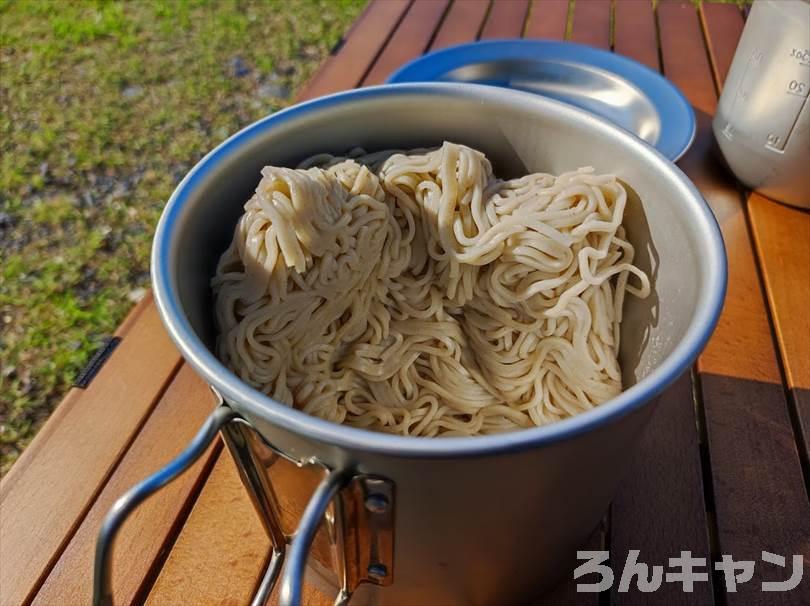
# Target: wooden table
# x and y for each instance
(724, 465)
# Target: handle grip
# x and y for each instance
(293, 573)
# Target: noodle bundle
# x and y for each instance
(416, 293)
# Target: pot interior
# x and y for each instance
(520, 133)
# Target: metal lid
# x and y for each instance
(614, 87)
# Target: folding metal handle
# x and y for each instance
(293, 576)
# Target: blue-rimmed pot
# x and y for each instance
(388, 519)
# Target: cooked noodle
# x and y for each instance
(415, 293)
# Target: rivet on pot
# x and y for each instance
(377, 570)
(376, 502)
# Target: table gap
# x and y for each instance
(385, 43)
(527, 19)
(437, 28)
(569, 20)
(481, 27)
(718, 582)
(182, 517)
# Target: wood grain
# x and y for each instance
(634, 32)
(220, 552)
(462, 23)
(506, 19)
(664, 483)
(362, 45)
(48, 491)
(547, 19)
(723, 24)
(152, 527)
(410, 40)
(782, 237)
(591, 23)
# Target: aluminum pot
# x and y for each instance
(481, 520)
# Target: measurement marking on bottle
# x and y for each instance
(798, 88)
(802, 54)
(774, 142)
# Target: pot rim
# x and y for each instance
(233, 389)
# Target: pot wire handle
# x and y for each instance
(293, 575)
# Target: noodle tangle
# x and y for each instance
(415, 293)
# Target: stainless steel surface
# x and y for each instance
(762, 123)
(291, 592)
(592, 89)
(354, 533)
(376, 503)
(363, 539)
(611, 86)
(269, 578)
(458, 539)
(366, 532)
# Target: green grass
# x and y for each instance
(104, 106)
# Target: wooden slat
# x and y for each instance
(634, 31)
(69, 462)
(506, 19)
(723, 24)
(591, 23)
(660, 506)
(760, 499)
(221, 551)
(150, 530)
(222, 541)
(547, 19)
(462, 23)
(410, 40)
(754, 460)
(685, 60)
(363, 43)
(741, 345)
(782, 236)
